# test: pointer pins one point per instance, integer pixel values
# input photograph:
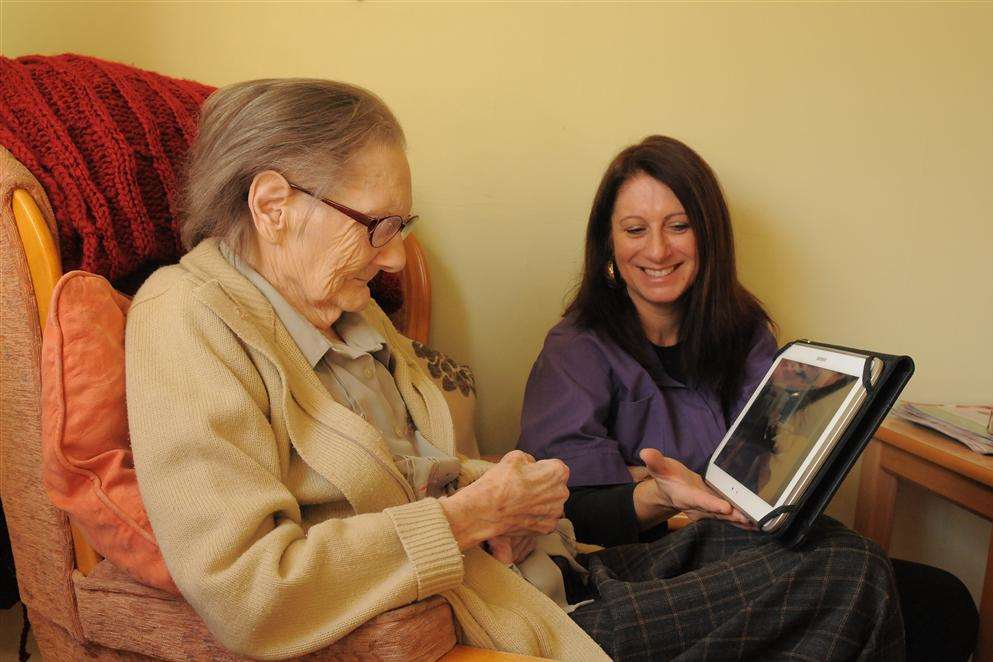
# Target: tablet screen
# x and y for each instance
(784, 422)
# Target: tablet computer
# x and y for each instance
(787, 429)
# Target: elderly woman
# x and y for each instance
(297, 461)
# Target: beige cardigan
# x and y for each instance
(279, 512)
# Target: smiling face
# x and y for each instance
(654, 246)
(321, 260)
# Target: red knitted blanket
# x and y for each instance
(108, 142)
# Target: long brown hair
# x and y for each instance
(719, 316)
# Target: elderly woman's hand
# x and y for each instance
(674, 488)
(517, 497)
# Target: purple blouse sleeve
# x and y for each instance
(566, 405)
(757, 363)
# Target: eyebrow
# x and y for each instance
(664, 218)
(382, 212)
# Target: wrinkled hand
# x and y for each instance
(511, 549)
(517, 497)
(680, 489)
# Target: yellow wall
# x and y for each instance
(854, 141)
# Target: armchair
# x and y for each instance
(79, 604)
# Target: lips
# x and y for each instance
(659, 273)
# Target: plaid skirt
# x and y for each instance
(711, 591)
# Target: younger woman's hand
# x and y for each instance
(674, 488)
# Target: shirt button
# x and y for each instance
(400, 432)
(369, 373)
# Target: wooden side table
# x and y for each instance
(904, 451)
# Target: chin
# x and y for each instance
(662, 297)
(667, 299)
(355, 302)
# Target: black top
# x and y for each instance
(604, 515)
(672, 361)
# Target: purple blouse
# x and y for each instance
(593, 406)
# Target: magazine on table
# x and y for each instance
(969, 424)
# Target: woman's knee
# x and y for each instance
(859, 561)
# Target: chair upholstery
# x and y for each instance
(39, 532)
(170, 630)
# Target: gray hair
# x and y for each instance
(306, 129)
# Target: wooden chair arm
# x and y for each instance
(415, 282)
(470, 654)
(39, 249)
(45, 266)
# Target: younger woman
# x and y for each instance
(655, 356)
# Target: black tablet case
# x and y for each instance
(880, 398)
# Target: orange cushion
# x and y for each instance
(86, 451)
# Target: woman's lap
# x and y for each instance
(712, 591)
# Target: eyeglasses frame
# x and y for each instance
(370, 222)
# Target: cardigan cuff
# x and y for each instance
(427, 539)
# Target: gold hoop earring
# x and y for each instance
(611, 273)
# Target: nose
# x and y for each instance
(393, 256)
(658, 248)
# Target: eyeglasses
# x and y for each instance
(381, 229)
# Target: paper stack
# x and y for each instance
(968, 424)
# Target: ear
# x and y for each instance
(268, 198)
